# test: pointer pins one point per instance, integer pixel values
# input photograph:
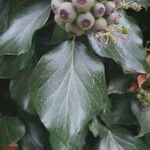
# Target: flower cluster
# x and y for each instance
(144, 97)
(90, 16)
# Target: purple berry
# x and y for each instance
(98, 10)
(83, 5)
(64, 14)
(110, 7)
(67, 12)
(85, 21)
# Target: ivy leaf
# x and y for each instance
(19, 89)
(28, 18)
(56, 143)
(97, 128)
(121, 109)
(129, 53)
(36, 137)
(75, 143)
(120, 84)
(11, 130)
(120, 139)
(146, 139)
(11, 65)
(4, 15)
(142, 114)
(68, 92)
(59, 36)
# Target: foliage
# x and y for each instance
(61, 92)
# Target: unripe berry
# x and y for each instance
(110, 7)
(83, 5)
(85, 21)
(114, 18)
(67, 12)
(125, 29)
(144, 98)
(59, 21)
(98, 10)
(73, 29)
(139, 96)
(135, 6)
(100, 25)
(55, 5)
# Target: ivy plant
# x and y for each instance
(74, 74)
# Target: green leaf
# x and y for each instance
(120, 84)
(4, 15)
(142, 114)
(11, 130)
(76, 143)
(59, 36)
(97, 128)
(11, 65)
(19, 89)
(121, 109)
(68, 87)
(129, 53)
(57, 144)
(120, 139)
(105, 114)
(28, 18)
(146, 139)
(36, 137)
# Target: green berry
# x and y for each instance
(100, 25)
(73, 29)
(142, 91)
(125, 29)
(110, 7)
(135, 6)
(67, 12)
(144, 104)
(85, 21)
(139, 96)
(59, 21)
(98, 10)
(83, 5)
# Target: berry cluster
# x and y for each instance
(144, 97)
(89, 16)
